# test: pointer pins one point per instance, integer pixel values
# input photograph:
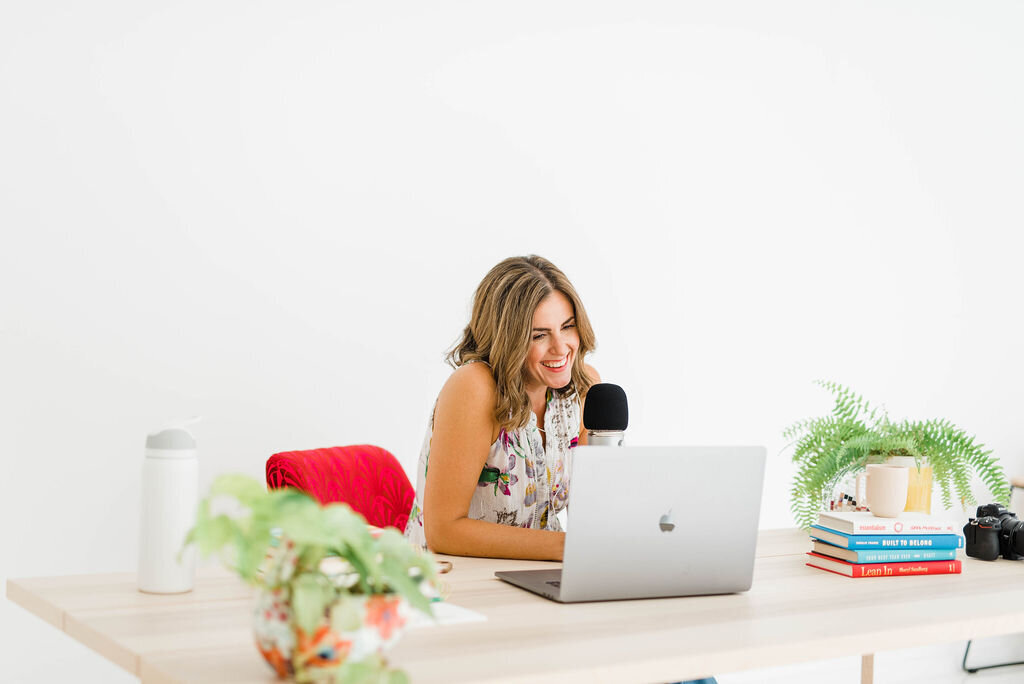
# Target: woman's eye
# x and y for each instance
(542, 335)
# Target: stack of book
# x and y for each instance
(857, 544)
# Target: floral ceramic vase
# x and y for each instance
(352, 629)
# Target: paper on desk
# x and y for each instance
(445, 614)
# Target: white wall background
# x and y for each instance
(274, 215)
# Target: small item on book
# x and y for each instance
(845, 502)
(887, 541)
(863, 522)
(840, 567)
(883, 555)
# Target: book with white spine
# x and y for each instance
(863, 522)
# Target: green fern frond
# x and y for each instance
(956, 454)
(848, 404)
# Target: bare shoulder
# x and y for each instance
(471, 381)
(468, 398)
(595, 378)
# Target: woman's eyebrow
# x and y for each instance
(549, 329)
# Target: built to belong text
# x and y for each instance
(906, 542)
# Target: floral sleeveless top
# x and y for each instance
(522, 484)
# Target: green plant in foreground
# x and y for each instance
(278, 540)
(854, 434)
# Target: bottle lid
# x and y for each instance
(173, 437)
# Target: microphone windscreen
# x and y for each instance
(605, 408)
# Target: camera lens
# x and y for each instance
(1011, 538)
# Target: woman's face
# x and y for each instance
(554, 343)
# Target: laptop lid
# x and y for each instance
(649, 521)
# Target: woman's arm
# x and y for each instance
(464, 429)
(583, 402)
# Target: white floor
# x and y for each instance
(32, 651)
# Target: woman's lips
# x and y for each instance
(560, 369)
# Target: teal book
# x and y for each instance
(883, 555)
(887, 541)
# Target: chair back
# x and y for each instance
(366, 477)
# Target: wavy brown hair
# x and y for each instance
(500, 330)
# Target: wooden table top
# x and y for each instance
(792, 613)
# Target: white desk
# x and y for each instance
(792, 614)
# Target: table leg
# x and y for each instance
(867, 668)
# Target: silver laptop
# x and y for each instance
(645, 522)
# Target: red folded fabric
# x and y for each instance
(366, 477)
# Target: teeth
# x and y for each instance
(556, 365)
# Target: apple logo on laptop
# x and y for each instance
(666, 523)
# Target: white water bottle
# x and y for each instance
(170, 498)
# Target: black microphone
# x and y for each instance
(605, 415)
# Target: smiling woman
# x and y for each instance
(500, 440)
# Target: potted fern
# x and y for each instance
(331, 596)
(833, 447)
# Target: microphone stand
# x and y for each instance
(605, 438)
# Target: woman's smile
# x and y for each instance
(558, 365)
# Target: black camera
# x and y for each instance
(995, 532)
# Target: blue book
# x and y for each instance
(884, 555)
(887, 541)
